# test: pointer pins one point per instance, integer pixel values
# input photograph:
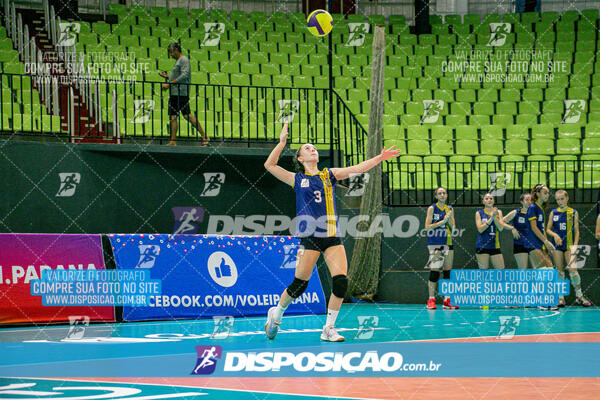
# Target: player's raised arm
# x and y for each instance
(271, 163)
(386, 154)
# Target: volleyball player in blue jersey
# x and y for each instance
(489, 224)
(520, 230)
(439, 224)
(317, 228)
(563, 228)
(537, 233)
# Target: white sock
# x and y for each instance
(331, 317)
(279, 310)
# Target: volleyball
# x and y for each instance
(319, 23)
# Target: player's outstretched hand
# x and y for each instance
(284, 133)
(391, 152)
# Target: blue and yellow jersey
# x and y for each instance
(563, 224)
(536, 213)
(315, 204)
(521, 224)
(487, 239)
(442, 235)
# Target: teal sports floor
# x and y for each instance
(107, 350)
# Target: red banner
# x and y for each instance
(24, 256)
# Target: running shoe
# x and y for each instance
(582, 301)
(431, 304)
(448, 306)
(330, 335)
(272, 326)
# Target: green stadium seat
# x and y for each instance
(400, 180)
(425, 180)
(532, 178)
(434, 163)
(452, 180)
(467, 147)
(442, 147)
(568, 146)
(491, 147)
(479, 180)
(589, 179)
(569, 131)
(565, 162)
(591, 145)
(542, 146)
(516, 147)
(502, 120)
(506, 107)
(514, 163)
(483, 108)
(542, 131)
(418, 147)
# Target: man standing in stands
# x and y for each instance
(178, 83)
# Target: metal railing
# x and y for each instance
(140, 110)
(413, 183)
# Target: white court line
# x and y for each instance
(492, 337)
(196, 387)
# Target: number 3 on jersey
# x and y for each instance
(317, 194)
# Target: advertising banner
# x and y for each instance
(206, 276)
(24, 256)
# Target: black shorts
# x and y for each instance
(491, 252)
(518, 249)
(179, 104)
(319, 243)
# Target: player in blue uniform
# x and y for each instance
(520, 230)
(317, 227)
(537, 238)
(537, 233)
(563, 228)
(439, 224)
(489, 224)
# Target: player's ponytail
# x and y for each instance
(535, 195)
(297, 164)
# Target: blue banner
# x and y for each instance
(206, 276)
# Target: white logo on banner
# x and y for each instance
(358, 32)
(500, 181)
(358, 183)
(68, 183)
(573, 111)
(499, 32)
(287, 110)
(142, 111)
(579, 255)
(212, 183)
(223, 326)
(366, 326)
(148, 254)
(437, 256)
(213, 32)
(508, 326)
(78, 325)
(222, 269)
(431, 111)
(68, 34)
(291, 252)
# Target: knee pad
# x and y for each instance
(339, 286)
(297, 287)
(434, 276)
(561, 274)
(575, 278)
(446, 274)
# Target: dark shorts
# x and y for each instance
(179, 104)
(491, 252)
(519, 248)
(319, 243)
